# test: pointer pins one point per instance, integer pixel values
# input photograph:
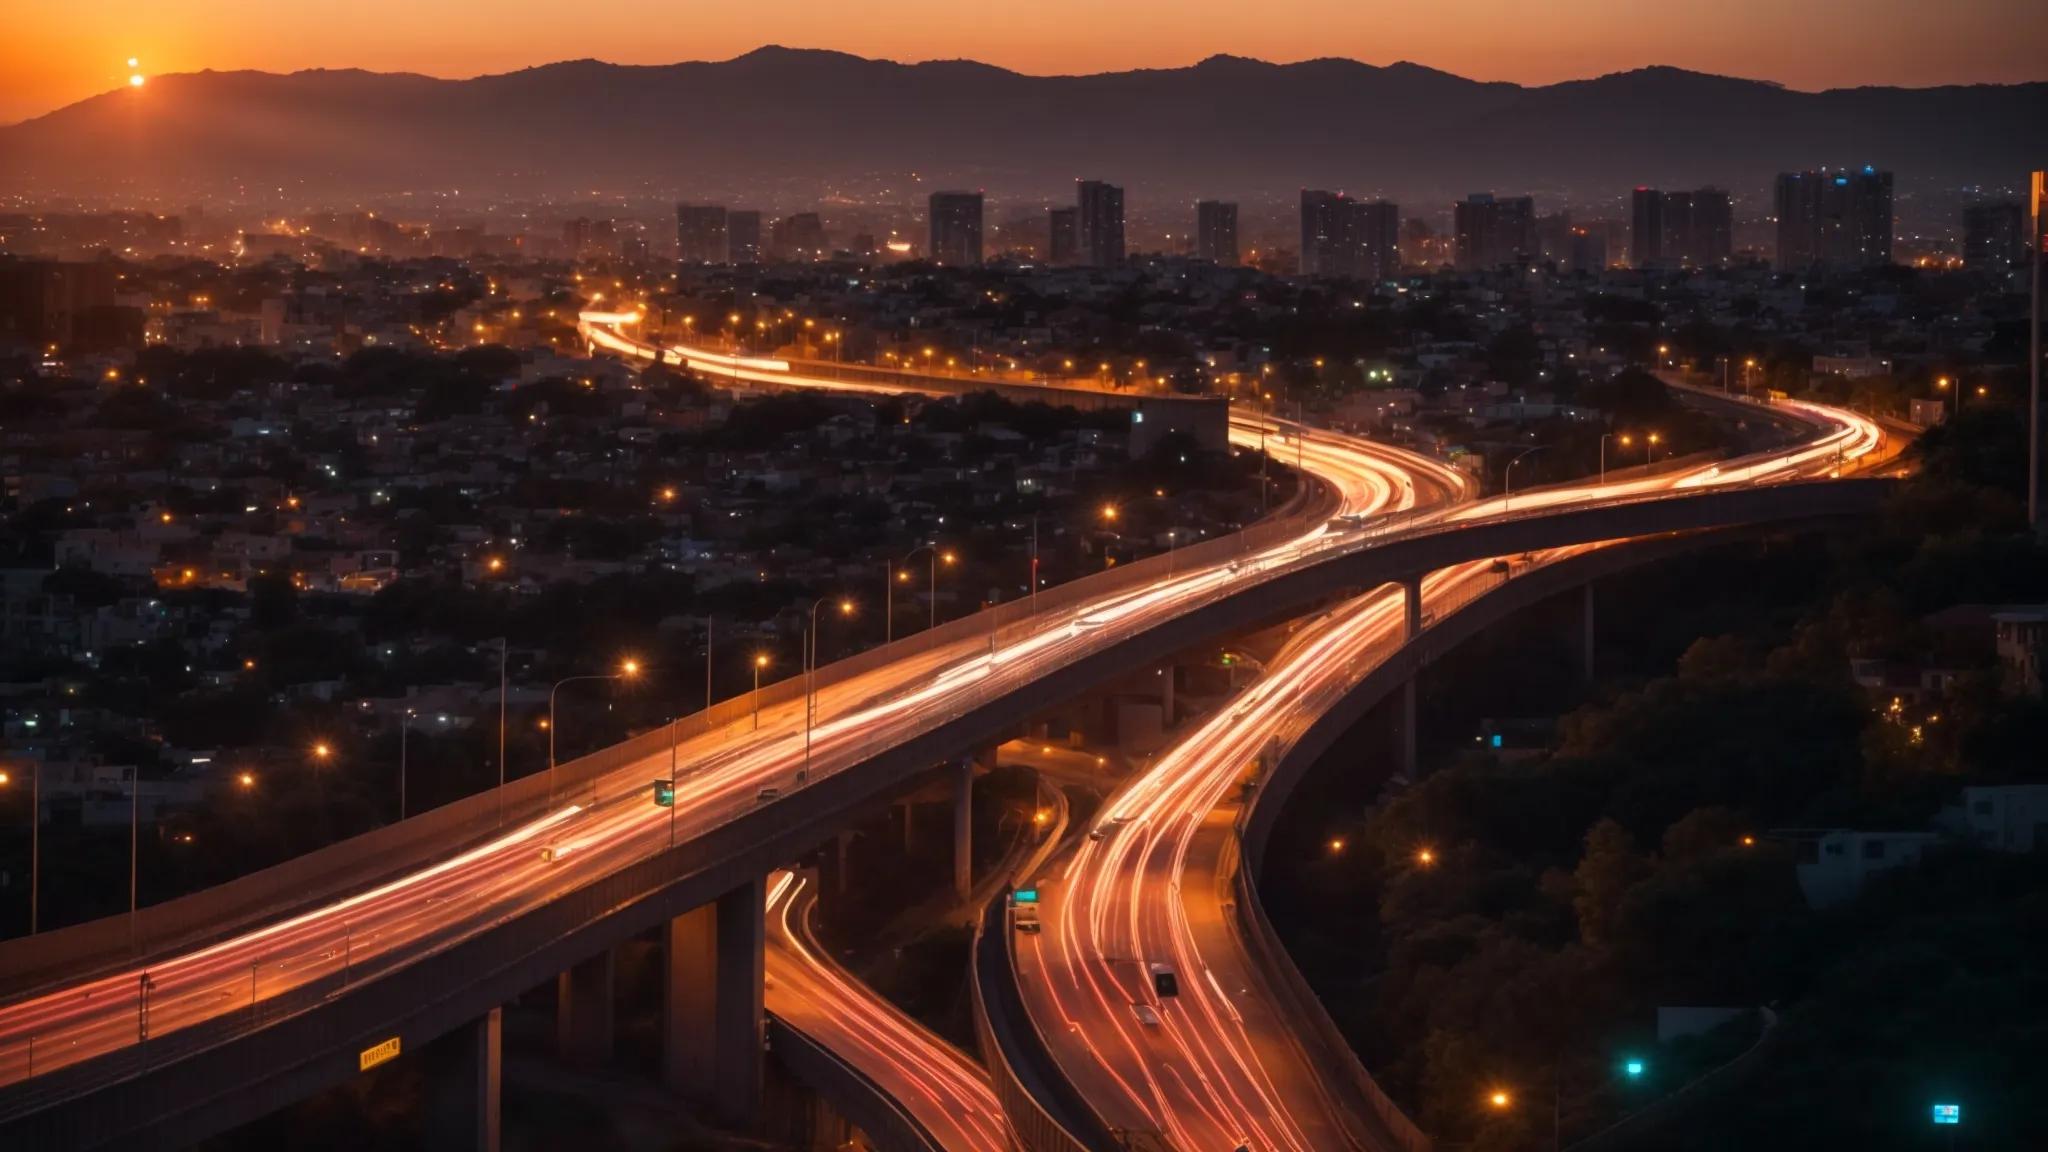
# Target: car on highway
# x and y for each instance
(767, 794)
(1145, 1015)
(1164, 983)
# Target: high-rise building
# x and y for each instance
(1676, 241)
(1063, 235)
(1712, 240)
(1588, 250)
(1216, 231)
(797, 238)
(1994, 237)
(1835, 217)
(1101, 223)
(1646, 227)
(1322, 229)
(1493, 231)
(1345, 237)
(53, 302)
(956, 228)
(1668, 229)
(743, 236)
(701, 233)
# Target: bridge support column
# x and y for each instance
(1411, 616)
(963, 825)
(463, 1085)
(583, 1012)
(711, 1004)
(837, 864)
(1586, 616)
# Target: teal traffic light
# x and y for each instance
(1634, 1068)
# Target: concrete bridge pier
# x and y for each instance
(963, 823)
(464, 1070)
(584, 1014)
(711, 1004)
(1411, 605)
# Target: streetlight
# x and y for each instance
(937, 556)
(1424, 857)
(760, 662)
(1649, 448)
(1943, 384)
(1507, 475)
(1500, 1101)
(35, 836)
(811, 677)
(627, 670)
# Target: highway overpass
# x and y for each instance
(187, 1020)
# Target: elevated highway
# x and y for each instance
(199, 1024)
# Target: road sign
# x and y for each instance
(1948, 1113)
(665, 793)
(382, 1052)
(1025, 896)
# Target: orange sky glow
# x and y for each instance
(59, 51)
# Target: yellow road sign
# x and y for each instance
(382, 1052)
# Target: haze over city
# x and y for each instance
(1110, 577)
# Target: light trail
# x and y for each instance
(945, 1091)
(316, 953)
(1216, 1071)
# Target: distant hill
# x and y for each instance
(801, 119)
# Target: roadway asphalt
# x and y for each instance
(307, 956)
(1218, 1064)
(945, 1091)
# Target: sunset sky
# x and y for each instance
(56, 51)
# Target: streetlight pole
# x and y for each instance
(1034, 562)
(760, 662)
(709, 622)
(1604, 438)
(811, 677)
(1507, 476)
(629, 668)
(932, 620)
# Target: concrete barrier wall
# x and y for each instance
(191, 1083)
(1026, 1079)
(1394, 1129)
(81, 950)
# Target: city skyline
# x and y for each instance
(58, 56)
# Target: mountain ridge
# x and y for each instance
(1226, 125)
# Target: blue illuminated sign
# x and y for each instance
(1496, 740)
(1948, 1113)
(1026, 896)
